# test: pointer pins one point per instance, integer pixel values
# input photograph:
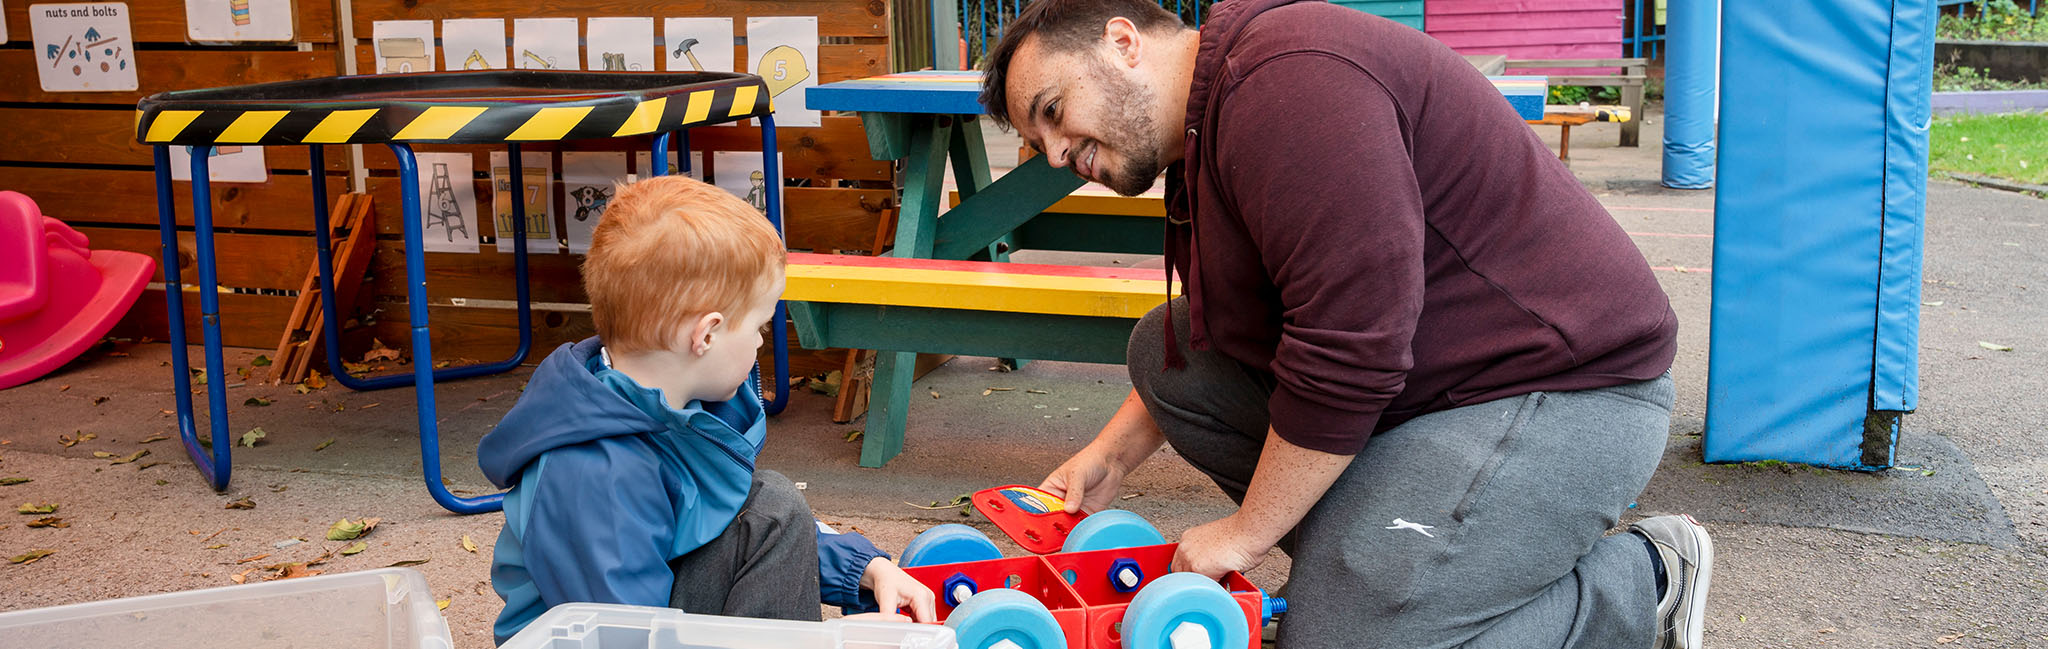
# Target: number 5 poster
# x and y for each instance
(83, 47)
(784, 51)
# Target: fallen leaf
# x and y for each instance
(260, 361)
(130, 457)
(249, 438)
(293, 571)
(66, 388)
(99, 400)
(199, 376)
(242, 578)
(1994, 346)
(935, 394)
(302, 389)
(347, 530)
(279, 488)
(324, 556)
(49, 521)
(324, 445)
(370, 406)
(146, 465)
(31, 557)
(9, 482)
(440, 364)
(154, 438)
(1037, 392)
(216, 546)
(102, 454)
(854, 436)
(259, 557)
(256, 401)
(988, 392)
(407, 563)
(241, 372)
(1827, 630)
(443, 603)
(1130, 496)
(244, 503)
(209, 537)
(315, 381)
(69, 442)
(1950, 638)
(468, 544)
(358, 547)
(32, 508)
(378, 352)
(162, 482)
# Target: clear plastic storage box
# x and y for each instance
(390, 608)
(612, 626)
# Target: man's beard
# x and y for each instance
(1130, 126)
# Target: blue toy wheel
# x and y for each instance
(949, 543)
(1184, 610)
(1001, 615)
(1111, 529)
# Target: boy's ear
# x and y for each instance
(702, 330)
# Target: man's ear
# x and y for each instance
(1126, 42)
(701, 331)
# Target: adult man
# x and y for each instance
(1418, 353)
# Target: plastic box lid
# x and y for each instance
(617, 626)
(390, 608)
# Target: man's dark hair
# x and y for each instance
(1062, 26)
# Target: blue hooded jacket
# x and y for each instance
(609, 484)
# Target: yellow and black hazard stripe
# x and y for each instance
(530, 106)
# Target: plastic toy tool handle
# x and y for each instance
(1036, 520)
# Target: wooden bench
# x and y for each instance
(1570, 116)
(1067, 313)
(1094, 220)
(1631, 79)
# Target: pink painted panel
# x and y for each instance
(1491, 42)
(1444, 7)
(1602, 18)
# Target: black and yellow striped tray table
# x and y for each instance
(489, 107)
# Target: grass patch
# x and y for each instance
(2013, 146)
(1993, 20)
(1953, 78)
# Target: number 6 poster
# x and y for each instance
(784, 51)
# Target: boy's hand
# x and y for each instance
(895, 590)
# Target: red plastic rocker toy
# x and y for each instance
(57, 294)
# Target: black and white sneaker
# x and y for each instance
(1688, 556)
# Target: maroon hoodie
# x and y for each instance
(1360, 213)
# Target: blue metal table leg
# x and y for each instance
(658, 158)
(218, 467)
(330, 325)
(416, 307)
(779, 327)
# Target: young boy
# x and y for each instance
(630, 455)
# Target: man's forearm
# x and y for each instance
(1131, 434)
(1288, 482)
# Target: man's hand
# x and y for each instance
(1087, 482)
(895, 590)
(1218, 547)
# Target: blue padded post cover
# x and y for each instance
(1817, 224)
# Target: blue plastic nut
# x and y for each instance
(958, 588)
(1185, 605)
(1125, 575)
(1001, 614)
(949, 543)
(1271, 607)
(1111, 529)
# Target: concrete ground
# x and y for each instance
(1950, 551)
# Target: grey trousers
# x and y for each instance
(764, 565)
(1480, 526)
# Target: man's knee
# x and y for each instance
(775, 497)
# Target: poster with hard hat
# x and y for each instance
(784, 51)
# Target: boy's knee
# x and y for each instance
(774, 496)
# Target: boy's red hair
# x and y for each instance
(669, 249)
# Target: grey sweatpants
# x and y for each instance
(1480, 526)
(764, 565)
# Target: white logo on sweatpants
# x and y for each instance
(1405, 525)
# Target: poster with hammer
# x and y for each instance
(698, 45)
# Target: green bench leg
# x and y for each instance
(888, 407)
